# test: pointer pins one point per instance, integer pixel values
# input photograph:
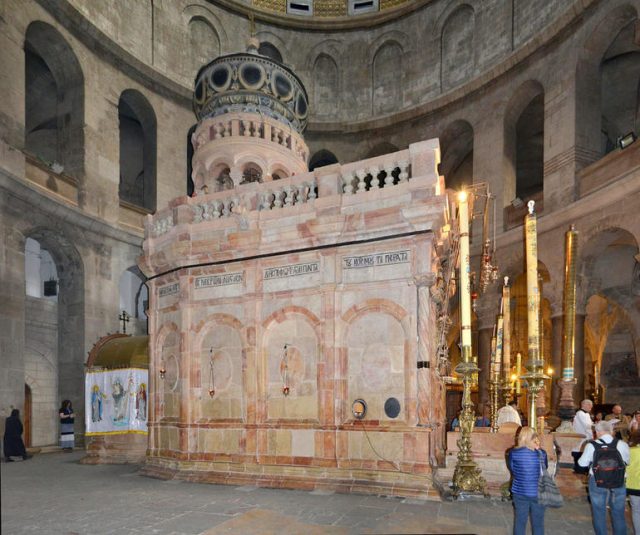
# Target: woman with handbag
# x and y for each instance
(525, 462)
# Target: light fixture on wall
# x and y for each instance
(626, 140)
(359, 409)
(163, 370)
(285, 372)
(212, 389)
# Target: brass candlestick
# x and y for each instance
(467, 476)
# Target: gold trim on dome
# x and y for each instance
(388, 4)
(278, 6)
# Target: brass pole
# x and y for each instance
(506, 342)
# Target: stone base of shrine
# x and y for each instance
(490, 453)
(116, 449)
(379, 478)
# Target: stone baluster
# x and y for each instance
(290, 196)
(267, 131)
(266, 201)
(198, 211)
(404, 171)
(288, 141)
(206, 214)
(388, 168)
(347, 178)
(212, 132)
(235, 127)
(312, 190)
(361, 185)
(278, 197)
(302, 193)
(374, 170)
(216, 205)
(244, 128)
(226, 208)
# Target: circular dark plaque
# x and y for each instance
(392, 407)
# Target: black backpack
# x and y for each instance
(608, 466)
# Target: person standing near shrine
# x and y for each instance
(66, 426)
(524, 462)
(12, 441)
(582, 425)
(620, 422)
(606, 458)
(509, 413)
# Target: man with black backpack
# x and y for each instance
(606, 458)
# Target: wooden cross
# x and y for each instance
(124, 318)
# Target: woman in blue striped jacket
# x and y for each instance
(524, 463)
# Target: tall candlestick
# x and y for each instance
(569, 305)
(499, 336)
(533, 296)
(465, 286)
(518, 373)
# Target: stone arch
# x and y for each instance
(456, 147)
(54, 100)
(321, 158)
(138, 150)
(519, 138)
(589, 138)
(291, 351)
(134, 298)
(275, 41)
(218, 370)
(376, 358)
(166, 356)
(70, 315)
(326, 85)
(457, 36)
(386, 77)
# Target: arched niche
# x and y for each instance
(54, 100)
(167, 358)
(290, 356)
(387, 75)
(270, 50)
(457, 60)
(456, 146)
(138, 150)
(134, 299)
(204, 43)
(326, 90)
(219, 369)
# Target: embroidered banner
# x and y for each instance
(116, 401)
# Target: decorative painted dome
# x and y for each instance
(248, 82)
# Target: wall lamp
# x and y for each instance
(626, 140)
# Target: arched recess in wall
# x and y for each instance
(66, 321)
(456, 148)
(326, 88)
(134, 299)
(167, 357)
(606, 55)
(138, 150)
(457, 58)
(387, 75)
(270, 50)
(190, 181)
(54, 100)
(524, 144)
(381, 149)
(204, 43)
(321, 158)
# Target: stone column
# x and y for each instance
(579, 358)
(484, 356)
(556, 358)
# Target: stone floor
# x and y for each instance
(54, 494)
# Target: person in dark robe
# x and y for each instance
(13, 444)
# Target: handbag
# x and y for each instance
(548, 492)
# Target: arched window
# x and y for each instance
(224, 180)
(251, 173)
(321, 158)
(269, 50)
(137, 150)
(204, 43)
(456, 147)
(530, 148)
(54, 100)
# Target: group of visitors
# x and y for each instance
(13, 444)
(609, 453)
(612, 462)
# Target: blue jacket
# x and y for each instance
(525, 469)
